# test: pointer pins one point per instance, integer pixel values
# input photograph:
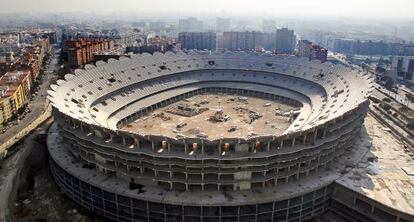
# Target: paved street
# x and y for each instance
(399, 96)
(38, 103)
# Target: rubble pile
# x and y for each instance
(218, 116)
(253, 115)
(186, 110)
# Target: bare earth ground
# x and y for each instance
(28, 192)
(237, 108)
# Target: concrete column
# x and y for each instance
(136, 140)
(304, 139)
(281, 144)
(185, 147)
(221, 141)
(293, 142)
(202, 146)
(153, 145)
(268, 146)
(123, 140)
(324, 132)
(315, 135)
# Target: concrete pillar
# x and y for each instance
(202, 146)
(185, 146)
(304, 139)
(268, 146)
(123, 140)
(153, 145)
(221, 141)
(315, 134)
(281, 144)
(137, 143)
(324, 132)
(293, 142)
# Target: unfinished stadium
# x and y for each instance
(204, 136)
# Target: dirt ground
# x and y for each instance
(241, 117)
(37, 197)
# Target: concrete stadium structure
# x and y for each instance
(128, 176)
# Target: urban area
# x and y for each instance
(205, 118)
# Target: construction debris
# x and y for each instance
(161, 116)
(202, 135)
(219, 116)
(253, 115)
(181, 125)
(186, 110)
(242, 99)
(232, 129)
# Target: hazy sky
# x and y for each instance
(351, 8)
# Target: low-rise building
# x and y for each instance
(312, 51)
(11, 100)
(80, 52)
(15, 90)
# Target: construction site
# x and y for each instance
(223, 137)
(214, 116)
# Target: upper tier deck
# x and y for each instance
(109, 93)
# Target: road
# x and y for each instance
(38, 104)
(399, 96)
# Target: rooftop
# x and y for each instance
(14, 77)
(386, 173)
(376, 166)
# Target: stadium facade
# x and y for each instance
(126, 175)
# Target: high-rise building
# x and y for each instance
(197, 40)
(402, 68)
(244, 41)
(285, 40)
(190, 25)
(223, 25)
(312, 51)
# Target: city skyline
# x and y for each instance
(300, 8)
